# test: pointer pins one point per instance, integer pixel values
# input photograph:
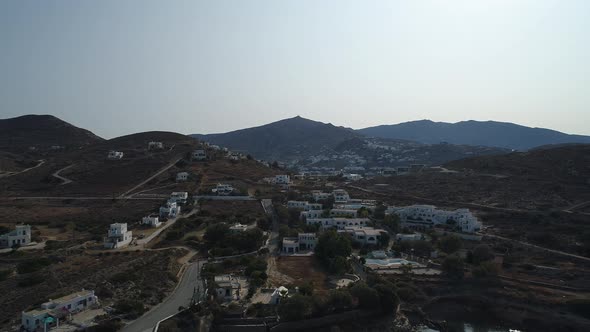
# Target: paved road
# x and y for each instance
(181, 296)
(82, 198)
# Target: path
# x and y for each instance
(563, 253)
(63, 179)
(164, 169)
(190, 285)
(9, 174)
(168, 224)
(36, 246)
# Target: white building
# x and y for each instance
(223, 189)
(338, 223)
(344, 213)
(227, 287)
(115, 155)
(408, 237)
(182, 177)
(20, 236)
(304, 205)
(417, 216)
(290, 245)
(307, 241)
(170, 210)
(199, 155)
(352, 176)
(318, 195)
(155, 146)
(151, 220)
(311, 214)
(118, 236)
(282, 179)
(54, 311)
(340, 196)
(179, 197)
(363, 235)
(238, 228)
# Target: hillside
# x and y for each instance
(486, 133)
(283, 140)
(42, 132)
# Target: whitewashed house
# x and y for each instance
(199, 155)
(318, 195)
(179, 197)
(115, 155)
(311, 214)
(363, 235)
(155, 146)
(152, 220)
(170, 210)
(223, 189)
(182, 177)
(343, 213)
(54, 311)
(408, 237)
(290, 245)
(340, 196)
(282, 179)
(297, 204)
(118, 236)
(20, 236)
(227, 288)
(338, 223)
(307, 241)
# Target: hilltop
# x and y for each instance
(282, 140)
(486, 133)
(42, 132)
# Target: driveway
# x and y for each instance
(190, 284)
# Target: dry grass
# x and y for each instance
(302, 270)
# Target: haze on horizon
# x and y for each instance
(121, 66)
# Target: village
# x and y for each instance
(304, 241)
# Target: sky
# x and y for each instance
(119, 66)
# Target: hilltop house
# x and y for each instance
(223, 189)
(115, 155)
(52, 312)
(182, 177)
(199, 155)
(155, 146)
(426, 216)
(151, 220)
(118, 236)
(170, 209)
(227, 287)
(20, 236)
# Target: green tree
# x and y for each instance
(485, 269)
(367, 297)
(387, 297)
(453, 266)
(392, 221)
(384, 240)
(295, 307)
(482, 253)
(450, 243)
(333, 250)
(216, 233)
(339, 299)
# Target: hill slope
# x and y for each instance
(283, 140)
(486, 133)
(42, 131)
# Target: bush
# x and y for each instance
(485, 269)
(295, 307)
(453, 266)
(130, 308)
(31, 280)
(4, 274)
(339, 299)
(32, 265)
(368, 298)
(482, 253)
(450, 243)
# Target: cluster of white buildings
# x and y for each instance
(52, 312)
(20, 236)
(118, 236)
(115, 155)
(426, 216)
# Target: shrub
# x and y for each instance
(31, 280)
(295, 307)
(453, 266)
(32, 265)
(130, 308)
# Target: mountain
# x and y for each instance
(283, 140)
(486, 133)
(42, 132)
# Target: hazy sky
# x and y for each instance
(117, 67)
